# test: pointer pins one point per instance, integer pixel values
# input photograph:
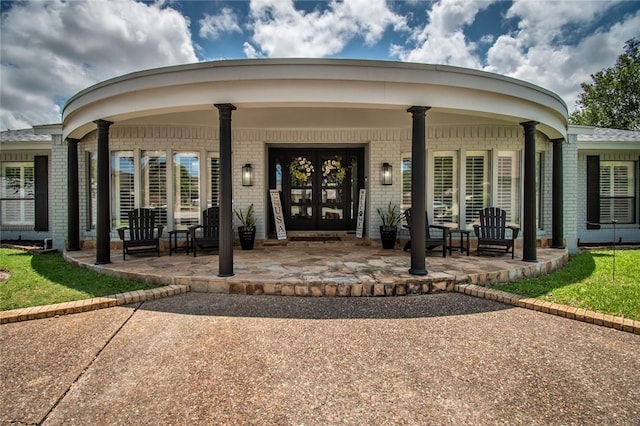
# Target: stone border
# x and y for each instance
(49, 311)
(565, 311)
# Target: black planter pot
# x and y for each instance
(388, 236)
(247, 237)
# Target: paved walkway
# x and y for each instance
(197, 358)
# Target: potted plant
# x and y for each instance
(389, 228)
(246, 232)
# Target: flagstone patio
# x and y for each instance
(331, 268)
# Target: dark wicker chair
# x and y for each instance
(492, 232)
(431, 241)
(142, 235)
(206, 235)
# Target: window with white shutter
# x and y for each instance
(508, 189)
(17, 197)
(476, 186)
(214, 182)
(154, 184)
(406, 182)
(445, 188)
(617, 193)
(92, 189)
(122, 187)
(539, 189)
(186, 176)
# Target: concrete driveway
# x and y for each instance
(223, 359)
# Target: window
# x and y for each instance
(508, 190)
(214, 184)
(406, 183)
(122, 187)
(445, 188)
(17, 199)
(154, 184)
(92, 189)
(617, 193)
(186, 205)
(477, 185)
(539, 188)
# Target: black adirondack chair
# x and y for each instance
(206, 235)
(431, 241)
(492, 232)
(142, 235)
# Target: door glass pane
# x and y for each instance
(331, 213)
(333, 171)
(355, 191)
(301, 212)
(301, 196)
(333, 195)
(278, 175)
(301, 170)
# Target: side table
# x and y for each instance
(464, 240)
(174, 240)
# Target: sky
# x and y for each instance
(50, 50)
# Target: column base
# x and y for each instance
(414, 271)
(226, 275)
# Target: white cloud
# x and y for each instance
(442, 39)
(540, 57)
(281, 30)
(50, 50)
(545, 21)
(211, 26)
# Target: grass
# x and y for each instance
(42, 279)
(588, 282)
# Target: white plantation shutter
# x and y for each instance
(214, 173)
(406, 183)
(154, 184)
(476, 186)
(445, 185)
(617, 200)
(92, 190)
(17, 196)
(122, 187)
(508, 190)
(186, 210)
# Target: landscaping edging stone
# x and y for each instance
(565, 311)
(49, 311)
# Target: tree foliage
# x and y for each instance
(613, 98)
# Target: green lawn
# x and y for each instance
(588, 282)
(42, 279)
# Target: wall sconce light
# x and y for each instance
(247, 175)
(387, 174)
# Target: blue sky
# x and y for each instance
(50, 50)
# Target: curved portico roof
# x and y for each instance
(313, 83)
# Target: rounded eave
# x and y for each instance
(329, 83)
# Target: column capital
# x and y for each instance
(71, 141)
(103, 123)
(225, 110)
(558, 141)
(531, 123)
(418, 109)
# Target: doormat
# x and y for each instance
(316, 238)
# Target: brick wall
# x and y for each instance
(250, 146)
